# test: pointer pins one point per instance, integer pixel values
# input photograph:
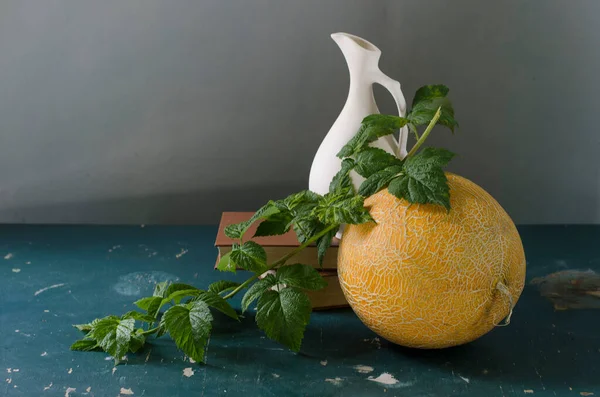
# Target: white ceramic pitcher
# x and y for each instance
(362, 58)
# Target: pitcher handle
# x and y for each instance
(393, 87)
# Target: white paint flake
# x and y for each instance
(385, 379)
(126, 392)
(335, 381)
(9, 370)
(9, 380)
(8, 256)
(28, 263)
(188, 372)
(46, 311)
(192, 361)
(363, 369)
(465, 379)
(69, 391)
(16, 270)
(70, 371)
(16, 369)
(89, 389)
(36, 293)
(48, 387)
(528, 391)
(375, 341)
(114, 370)
(324, 362)
(182, 253)
(275, 375)
(44, 354)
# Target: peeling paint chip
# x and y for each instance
(324, 362)
(586, 393)
(69, 391)
(528, 391)
(384, 378)
(335, 381)
(126, 392)
(465, 379)
(47, 387)
(114, 370)
(275, 375)
(16, 270)
(363, 369)
(70, 371)
(188, 372)
(8, 256)
(44, 354)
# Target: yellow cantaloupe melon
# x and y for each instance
(427, 278)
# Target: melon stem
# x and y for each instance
(502, 288)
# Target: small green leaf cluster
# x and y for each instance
(418, 178)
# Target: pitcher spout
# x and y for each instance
(359, 53)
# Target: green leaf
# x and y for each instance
(113, 335)
(160, 289)
(145, 303)
(378, 181)
(216, 301)
(300, 206)
(226, 264)
(429, 92)
(334, 210)
(151, 304)
(83, 327)
(298, 202)
(306, 226)
(423, 180)
(177, 296)
(238, 230)
(85, 345)
(178, 287)
(372, 160)
(342, 179)
(249, 256)
(426, 102)
(219, 287)
(372, 128)
(283, 315)
(324, 243)
(300, 276)
(137, 341)
(139, 317)
(256, 290)
(274, 225)
(189, 326)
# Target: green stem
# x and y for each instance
(150, 331)
(423, 137)
(281, 260)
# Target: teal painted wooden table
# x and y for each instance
(54, 276)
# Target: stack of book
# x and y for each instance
(277, 246)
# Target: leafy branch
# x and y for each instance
(278, 289)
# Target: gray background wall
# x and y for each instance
(147, 111)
